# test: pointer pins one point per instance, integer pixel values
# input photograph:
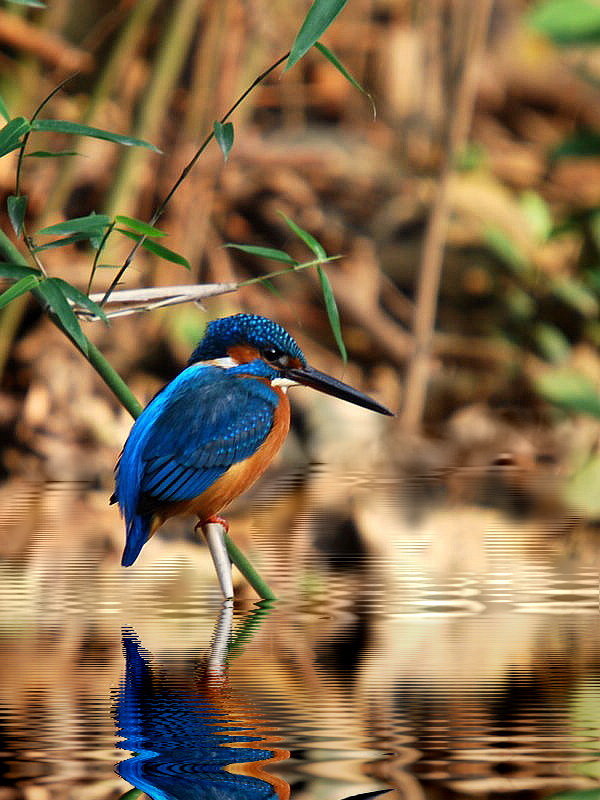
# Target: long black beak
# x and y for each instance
(308, 376)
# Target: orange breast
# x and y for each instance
(239, 477)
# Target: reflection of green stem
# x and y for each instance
(252, 621)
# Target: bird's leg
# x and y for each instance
(214, 530)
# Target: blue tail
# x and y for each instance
(138, 533)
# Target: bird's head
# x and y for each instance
(247, 338)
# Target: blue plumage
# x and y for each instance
(211, 418)
(190, 434)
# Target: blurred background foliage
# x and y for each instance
(467, 211)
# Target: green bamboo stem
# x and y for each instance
(244, 565)
(181, 28)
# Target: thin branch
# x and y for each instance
(161, 207)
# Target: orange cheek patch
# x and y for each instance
(243, 354)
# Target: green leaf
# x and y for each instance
(90, 224)
(585, 144)
(4, 110)
(309, 240)
(567, 22)
(551, 342)
(138, 226)
(52, 292)
(157, 249)
(577, 295)
(538, 214)
(506, 250)
(49, 154)
(330, 56)
(581, 492)
(14, 272)
(264, 252)
(32, 3)
(332, 312)
(320, 16)
(16, 207)
(66, 240)
(64, 126)
(224, 136)
(22, 286)
(570, 390)
(11, 134)
(81, 299)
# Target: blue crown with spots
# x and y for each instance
(250, 329)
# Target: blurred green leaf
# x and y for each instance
(64, 126)
(157, 249)
(567, 22)
(264, 252)
(13, 272)
(570, 390)
(80, 299)
(4, 110)
(138, 226)
(11, 134)
(16, 207)
(224, 137)
(594, 223)
(22, 286)
(521, 305)
(505, 250)
(538, 214)
(90, 224)
(52, 291)
(320, 16)
(51, 154)
(551, 342)
(332, 312)
(32, 3)
(585, 144)
(308, 239)
(577, 295)
(582, 493)
(330, 56)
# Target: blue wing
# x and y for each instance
(189, 435)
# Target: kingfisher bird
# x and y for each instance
(208, 435)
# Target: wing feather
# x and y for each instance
(190, 434)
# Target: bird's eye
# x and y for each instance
(275, 356)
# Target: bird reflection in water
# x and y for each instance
(192, 744)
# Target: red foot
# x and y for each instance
(214, 520)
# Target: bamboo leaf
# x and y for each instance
(49, 154)
(308, 239)
(65, 126)
(224, 137)
(11, 133)
(264, 252)
(157, 249)
(332, 312)
(570, 390)
(91, 224)
(320, 16)
(138, 226)
(66, 240)
(16, 207)
(330, 56)
(52, 292)
(4, 110)
(567, 22)
(14, 272)
(22, 286)
(81, 299)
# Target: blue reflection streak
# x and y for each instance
(178, 739)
